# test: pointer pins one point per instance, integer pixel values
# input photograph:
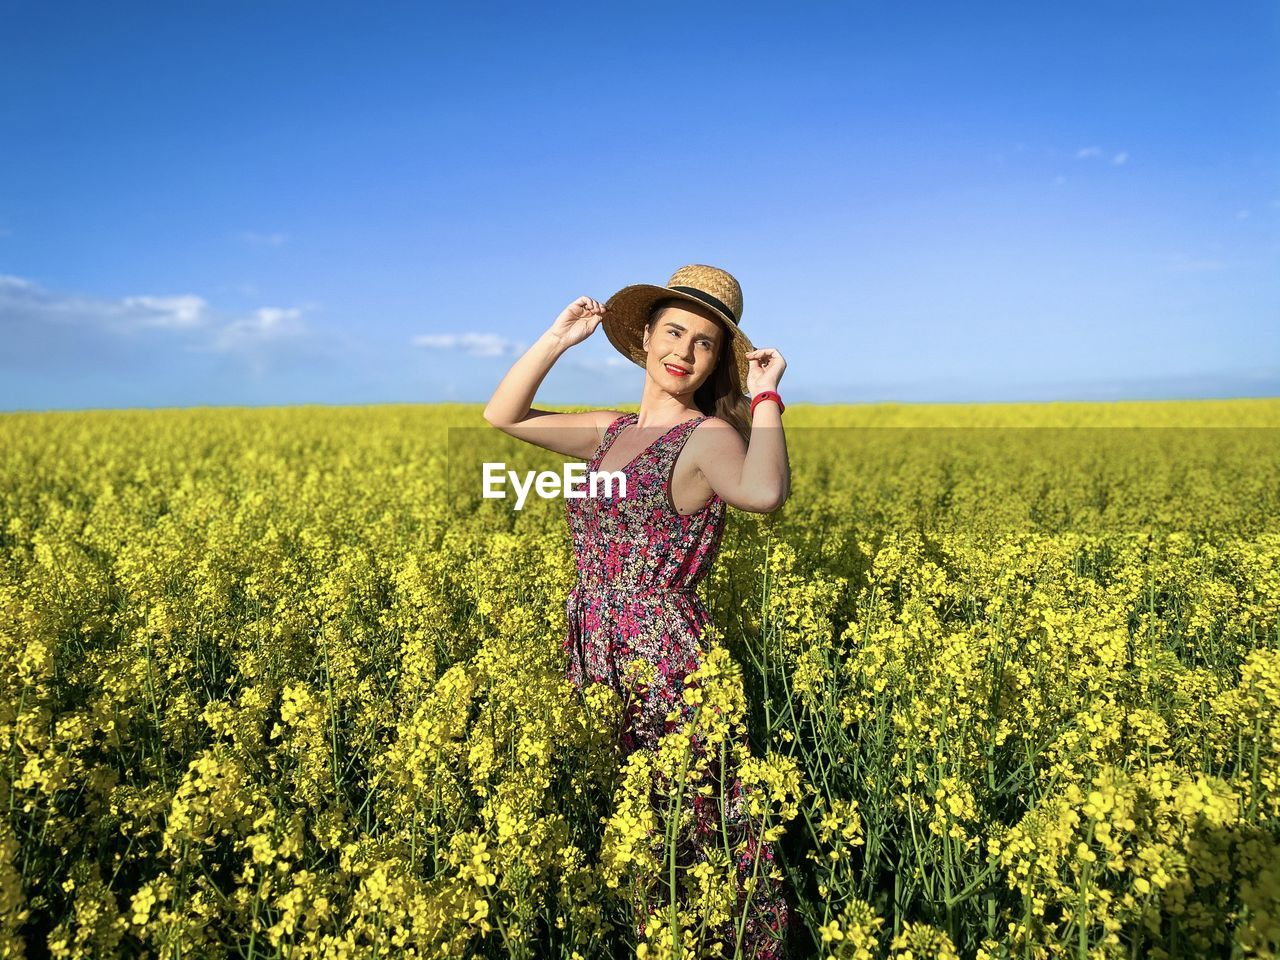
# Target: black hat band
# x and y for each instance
(706, 298)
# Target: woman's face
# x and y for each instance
(681, 347)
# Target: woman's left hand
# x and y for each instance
(764, 369)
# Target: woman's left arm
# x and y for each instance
(754, 477)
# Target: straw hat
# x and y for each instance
(627, 311)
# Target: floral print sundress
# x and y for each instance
(639, 562)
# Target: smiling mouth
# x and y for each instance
(676, 371)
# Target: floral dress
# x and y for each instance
(639, 561)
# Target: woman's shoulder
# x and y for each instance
(713, 433)
(713, 441)
(713, 424)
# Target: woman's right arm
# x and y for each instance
(509, 409)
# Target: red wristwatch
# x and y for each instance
(766, 395)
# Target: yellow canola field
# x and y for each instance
(281, 683)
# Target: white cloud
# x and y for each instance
(59, 330)
(475, 344)
(1120, 158)
(1085, 152)
(495, 345)
(184, 311)
(25, 303)
(1242, 214)
(263, 239)
(599, 364)
(266, 324)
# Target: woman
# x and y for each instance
(687, 453)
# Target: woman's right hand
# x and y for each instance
(578, 321)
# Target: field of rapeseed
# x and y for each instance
(279, 683)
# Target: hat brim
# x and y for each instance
(627, 311)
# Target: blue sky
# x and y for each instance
(276, 202)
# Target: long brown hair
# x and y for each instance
(720, 394)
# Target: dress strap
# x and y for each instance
(610, 435)
(674, 442)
